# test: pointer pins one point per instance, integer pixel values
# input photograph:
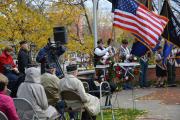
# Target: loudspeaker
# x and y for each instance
(60, 35)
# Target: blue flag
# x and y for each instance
(138, 49)
(166, 51)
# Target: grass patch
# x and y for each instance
(122, 114)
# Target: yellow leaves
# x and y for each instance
(22, 23)
(63, 14)
(86, 47)
(19, 22)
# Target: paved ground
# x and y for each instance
(160, 103)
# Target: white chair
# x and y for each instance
(8, 92)
(105, 91)
(25, 109)
(3, 116)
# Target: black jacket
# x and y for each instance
(23, 60)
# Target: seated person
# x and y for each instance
(9, 69)
(50, 83)
(6, 102)
(70, 82)
(33, 91)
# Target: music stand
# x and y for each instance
(126, 67)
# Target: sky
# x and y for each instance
(104, 5)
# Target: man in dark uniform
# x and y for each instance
(23, 57)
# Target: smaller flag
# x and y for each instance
(138, 49)
(167, 51)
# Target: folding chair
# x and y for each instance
(3, 116)
(25, 109)
(86, 86)
(8, 92)
(106, 92)
(71, 96)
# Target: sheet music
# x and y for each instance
(102, 66)
(132, 64)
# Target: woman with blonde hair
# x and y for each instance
(6, 102)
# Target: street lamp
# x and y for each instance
(95, 22)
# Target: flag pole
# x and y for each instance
(159, 6)
(95, 22)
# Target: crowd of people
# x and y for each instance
(42, 87)
(41, 90)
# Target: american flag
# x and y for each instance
(136, 18)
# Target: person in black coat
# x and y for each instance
(23, 57)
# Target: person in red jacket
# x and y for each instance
(6, 60)
(9, 69)
(6, 102)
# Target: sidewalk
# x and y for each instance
(160, 103)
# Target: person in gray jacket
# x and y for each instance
(33, 91)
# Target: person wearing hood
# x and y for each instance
(33, 91)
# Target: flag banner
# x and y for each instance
(172, 30)
(136, 18)
(167, 50)
(138, 49)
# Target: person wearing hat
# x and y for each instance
(24, 58)
(72, 83)
(50, 82)
(9, 69)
